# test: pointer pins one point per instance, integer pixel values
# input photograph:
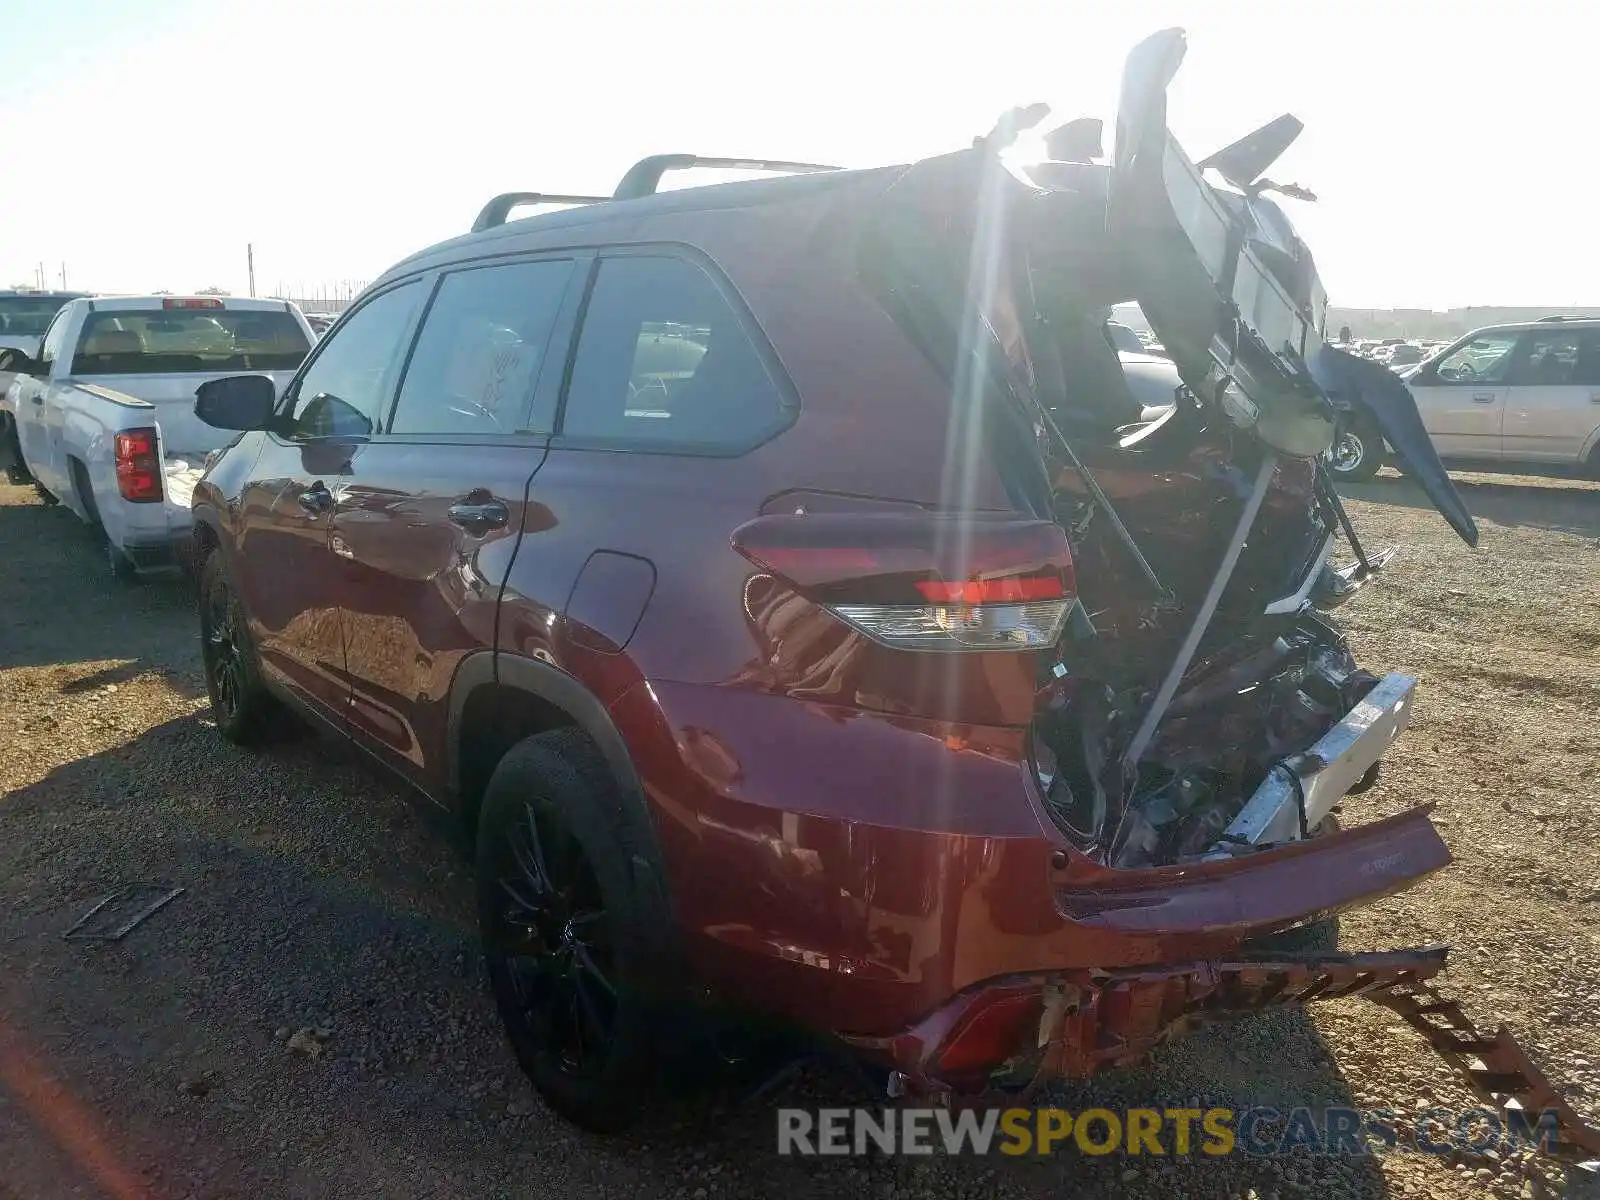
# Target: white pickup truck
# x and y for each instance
(105, 414)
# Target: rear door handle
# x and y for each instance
(479, 517)
(1594, 397)
(1485, 398)
(316, 499)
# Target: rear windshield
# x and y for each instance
(27, 316)
(176, 342)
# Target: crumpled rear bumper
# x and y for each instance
(1077, 1022)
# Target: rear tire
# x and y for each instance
(568, 939)
(246, 713)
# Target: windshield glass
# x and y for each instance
(27, 316)
(175, 342)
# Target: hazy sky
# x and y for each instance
(148, 141)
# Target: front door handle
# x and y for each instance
(316, 499)
(1485, 398)
(479, 517)
(1594, 397)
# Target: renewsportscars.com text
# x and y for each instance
(1157, 1131)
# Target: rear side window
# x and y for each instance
(480, 349)
(663, 360)
(181, 341)
(1552, 359)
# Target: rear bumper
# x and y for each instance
(861, 873)
(1071, 1024)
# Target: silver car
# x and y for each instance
(1526, 394)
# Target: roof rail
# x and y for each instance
(495, 212)
(1580, 317)
(644, 177)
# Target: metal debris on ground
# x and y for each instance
(1497, 1069)
(120, 913)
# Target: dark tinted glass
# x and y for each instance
(663, 360)
(479, 352)
(181, 341)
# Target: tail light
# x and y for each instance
(998, 1026)
(192, 303)
(138, 466)
(924, 582)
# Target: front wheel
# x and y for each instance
(1357, 452)
(245, 712)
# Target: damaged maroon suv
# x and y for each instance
(789, 586)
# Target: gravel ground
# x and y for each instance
(308, 1018)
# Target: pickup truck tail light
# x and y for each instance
(138, 466)
(188, 303)
(924, 582)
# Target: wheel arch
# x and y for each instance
(497, 700)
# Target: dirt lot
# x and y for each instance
(174, 1063)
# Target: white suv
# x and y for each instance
(1527, 394)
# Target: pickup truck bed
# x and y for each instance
(109, 408)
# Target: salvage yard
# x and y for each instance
(307, 1016)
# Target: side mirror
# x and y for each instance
(243, 402)
(327, 416)
(12, 359)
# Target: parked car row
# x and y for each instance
(808, 641)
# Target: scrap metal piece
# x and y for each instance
(162, 895)
(1497, 1069)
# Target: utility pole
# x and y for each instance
(63, 277)
(44, 280)
(250, 262)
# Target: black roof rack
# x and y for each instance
(495, 212)
(642, 179)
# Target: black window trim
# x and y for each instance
(527, 431)
(783, 386)
(291, 393)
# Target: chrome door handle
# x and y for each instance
(316, 499)
(1484, 398)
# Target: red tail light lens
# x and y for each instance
(925, 582)
(138, 466)
(191, 303)
(998, 1027)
